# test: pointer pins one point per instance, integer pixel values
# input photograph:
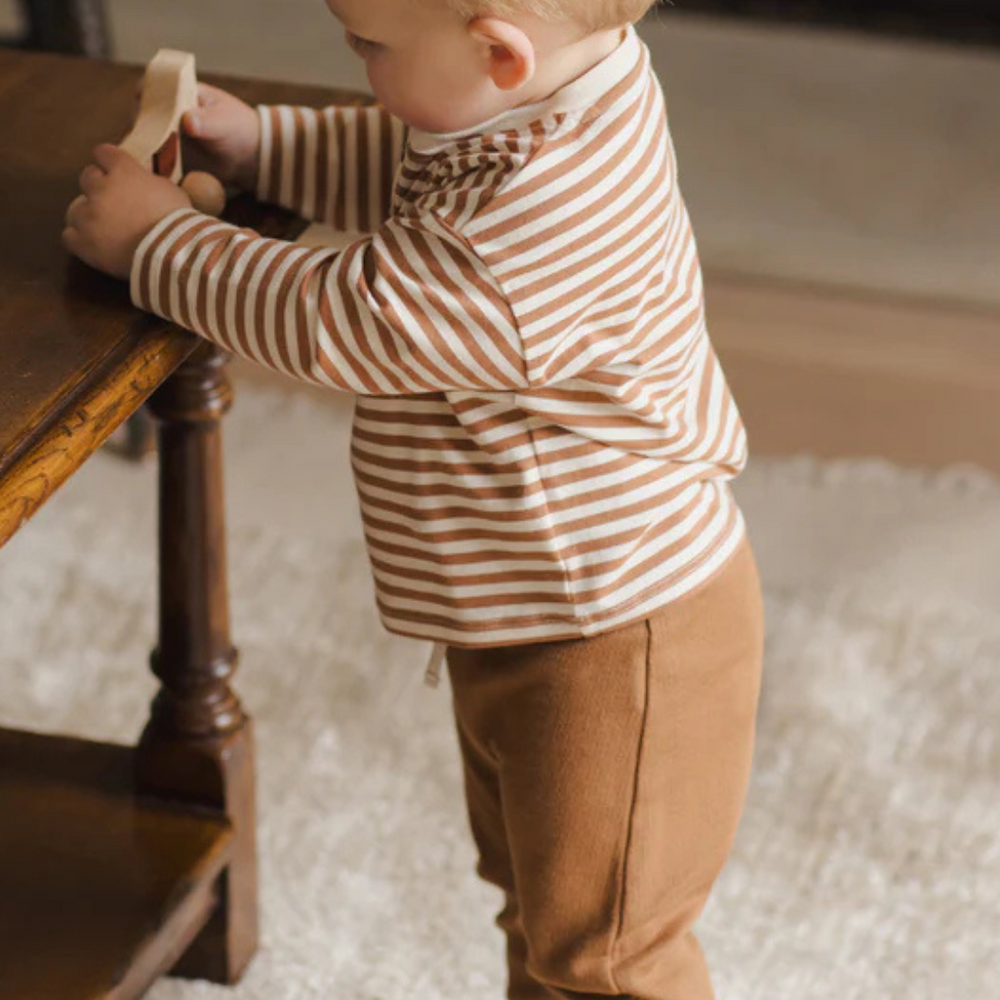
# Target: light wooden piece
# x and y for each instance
(205, 191)
(169, 91)
(170, 88)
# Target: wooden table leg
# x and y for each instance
(79, 27)
(197, 747)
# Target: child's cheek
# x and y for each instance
(394, 98)
(380, 84)
(395, 81)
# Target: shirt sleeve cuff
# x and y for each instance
(144, 283)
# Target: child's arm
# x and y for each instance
(336, 165)
(411, 309)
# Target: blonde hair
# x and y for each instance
(588, 15)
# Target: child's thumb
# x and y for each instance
(193, 124)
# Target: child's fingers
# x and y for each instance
(72, 240)
(202, 123)
(92, 178)
(208, 95)
(110, 157)
(197, 122)
(75, 210)
(191, 123)
(206, 123)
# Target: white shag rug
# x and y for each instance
(867, 864)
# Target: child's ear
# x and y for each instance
(511, 52)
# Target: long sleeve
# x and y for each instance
(336, 165)
(411, 309)
(543, 436)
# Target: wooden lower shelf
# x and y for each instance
(101, 891)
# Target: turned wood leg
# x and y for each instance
(79, 27)
(198, 744)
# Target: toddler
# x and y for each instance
(543, 440)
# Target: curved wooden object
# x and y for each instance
(169, 89)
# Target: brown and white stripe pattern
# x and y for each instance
(543, 438)
(335, 165)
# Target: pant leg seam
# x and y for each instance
(620, 915)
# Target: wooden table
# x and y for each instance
(118, 864)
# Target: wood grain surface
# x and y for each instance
(76, 358)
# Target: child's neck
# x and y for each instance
(571, 61)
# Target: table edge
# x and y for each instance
(32, 473)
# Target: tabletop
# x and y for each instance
(76, 358)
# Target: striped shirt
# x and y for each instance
(543, 435)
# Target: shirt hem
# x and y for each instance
(580, 628)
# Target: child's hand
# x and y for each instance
(120, 204)
(222, 137)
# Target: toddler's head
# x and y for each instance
(446, 65)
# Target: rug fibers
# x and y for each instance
(867, 862)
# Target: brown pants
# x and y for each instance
(605, 779)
